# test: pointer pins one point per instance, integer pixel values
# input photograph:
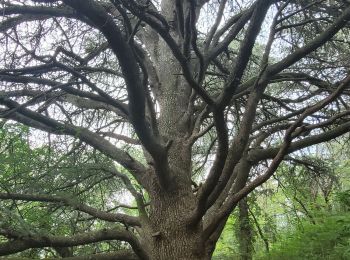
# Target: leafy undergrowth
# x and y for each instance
(328, 239)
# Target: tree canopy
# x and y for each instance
(185, 106)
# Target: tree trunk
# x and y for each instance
(245, 235)
(170, 237)
(167, 235)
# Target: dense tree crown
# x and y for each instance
(185, 106)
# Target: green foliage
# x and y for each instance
(344, 199)
(328, 239)
(226, 247)
(303, 212)
(56, 169)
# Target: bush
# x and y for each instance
(328, 239)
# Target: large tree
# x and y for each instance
(196, 102)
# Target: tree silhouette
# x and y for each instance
(196, 102)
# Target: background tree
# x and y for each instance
(300, 213)
(314, 218)
(61, 171)
(159, 89)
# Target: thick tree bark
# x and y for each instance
(170, 237)
(167, 234)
